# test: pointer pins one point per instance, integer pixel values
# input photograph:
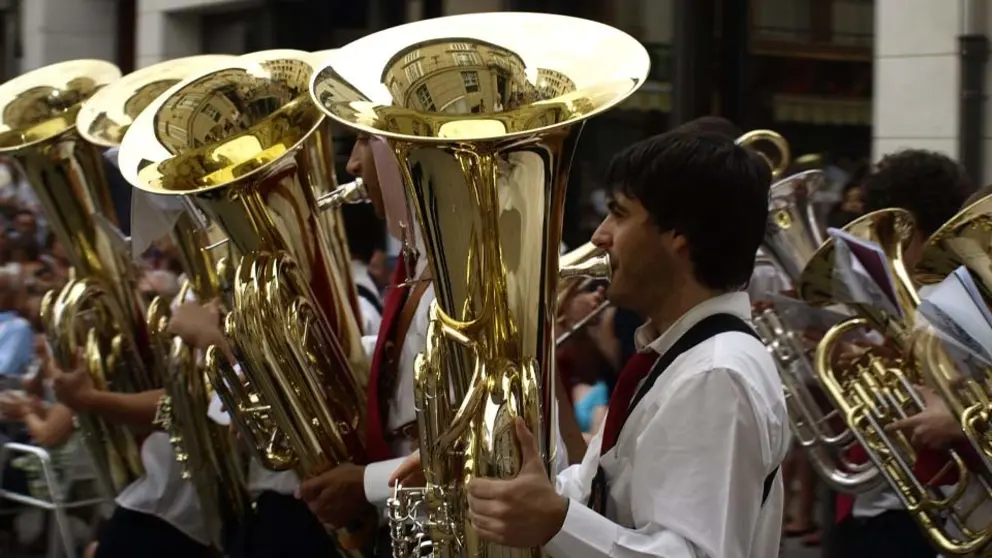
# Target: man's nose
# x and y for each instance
(601, 237)
(354, 166)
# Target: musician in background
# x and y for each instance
(687, 461)
(932, 187)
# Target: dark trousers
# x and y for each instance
(892, 534)
(282, 526)
(129, 534)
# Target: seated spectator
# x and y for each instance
(16, 335)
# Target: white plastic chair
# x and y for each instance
(57, 504)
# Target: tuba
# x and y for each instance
(245, 145)
(99, 311)
(204, 449)
(792, 237)
(876, 390)
(965, 240)
(484, 126)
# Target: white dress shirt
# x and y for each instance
(687, 473)
(162, 492)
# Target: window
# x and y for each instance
(464, 59)
(412, 57)
(471, 81)
(424, 96)
(212, 113)
(414, 71)
(460, 46)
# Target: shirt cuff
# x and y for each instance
(377, 489)
(584, 533)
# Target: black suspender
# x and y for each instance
(705, 329)
(370, 296)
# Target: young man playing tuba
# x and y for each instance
(687, 463)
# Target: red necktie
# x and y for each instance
(376, 446)
(636, 369)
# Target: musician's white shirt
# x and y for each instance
(371, 316)
(687, 474)
(163, 493)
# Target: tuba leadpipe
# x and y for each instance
(204, 449)
(239, 142)
(576, 269)
(99, 311)
(484, 160)
(877, 389)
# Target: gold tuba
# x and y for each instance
(99, 310)
(876, 390)
(245, 144)
(484, 125)
(205, 450)
(965, 240)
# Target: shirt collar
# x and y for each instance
(735, 303)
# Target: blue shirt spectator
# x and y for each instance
(16, 345)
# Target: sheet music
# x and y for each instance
(861, 274)
(959, 316)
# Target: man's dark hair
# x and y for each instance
(366, 233)
(711, 125)
(930, 185)
(705, 188)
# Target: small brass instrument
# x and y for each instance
(483, 124)
(965, 240)
(780, 160)
(204, 449)
(243, 142)
(99, 311)
(876, 390)
(577, 268)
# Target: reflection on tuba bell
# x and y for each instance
(484, 138)
(99, 311)
(243, 143)
(778, 162)
(876, 390)
(205, 449)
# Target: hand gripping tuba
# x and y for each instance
(245, 143)
(483, 124)
(99, 311)
(875, 390)
(205, 450)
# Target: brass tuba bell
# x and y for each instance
(204, 449)
(779, 160)
(483, 124)
(246, 145)
(99, 311)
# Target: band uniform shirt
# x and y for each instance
(686, 476)
(368, 299)
(162, 492)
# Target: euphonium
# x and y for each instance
(876, 390)
(204, 448)
(99, 311)
(243, 143)
(779, 163)
(483, 124)
(966, 239)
